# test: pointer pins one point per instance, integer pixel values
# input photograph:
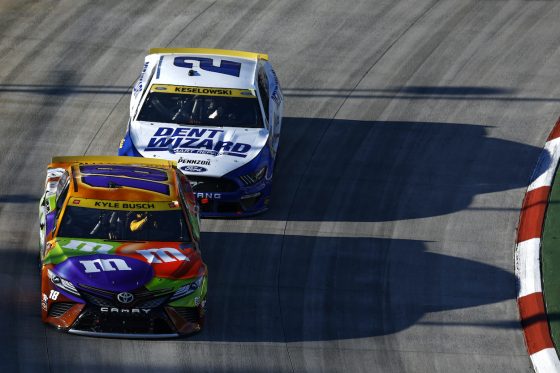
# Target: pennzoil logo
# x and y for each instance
(199, 162)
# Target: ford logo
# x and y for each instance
(193, 169)
(125, 297)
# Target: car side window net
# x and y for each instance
(263, 89)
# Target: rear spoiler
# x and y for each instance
(110, 159)
(218, 52)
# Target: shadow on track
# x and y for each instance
(269, 288)
(296, 288)
(347, 170)
(19, 198)
(64, 89)
(21, 328)
(443, 93)
(321, 288)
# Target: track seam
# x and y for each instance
(278, 289)
(130, 86)
(47, 350)
(389, 47)
(190, 22)
(106, 119)
(377, 60)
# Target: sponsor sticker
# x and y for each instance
(276, 95)
(201, 195)
(140, 84)
(44, 301)
(125, 297)
(104, 265)
(204, 91)
(124, 205)
(193, 169)
(125, 311)
(203, 162)
(116, 272)
(54, 295)
(163, 255)
(194, 140)
(88, 246)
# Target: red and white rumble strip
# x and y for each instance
(527, 259)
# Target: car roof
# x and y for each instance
(167, 72)
(120, 178)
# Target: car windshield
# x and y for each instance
(201, 110)
(85, 222)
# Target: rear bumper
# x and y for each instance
(123, 335)
(246, 201)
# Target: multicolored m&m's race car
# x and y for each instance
(218, 113)
(119, 241)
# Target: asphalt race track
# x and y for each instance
(411, 131)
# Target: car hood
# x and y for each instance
(123, 266)
(199, 151)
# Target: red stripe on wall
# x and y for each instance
(555, 131)
(534, 321)
(532, 214)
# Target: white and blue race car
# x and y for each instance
(218, 113)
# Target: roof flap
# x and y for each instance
(218, 52)
(109, 159)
